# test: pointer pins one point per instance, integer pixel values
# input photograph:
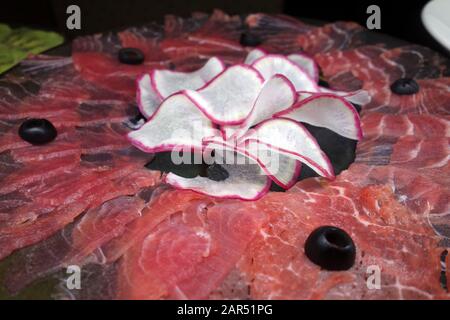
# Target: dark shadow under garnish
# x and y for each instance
(216, 172)
(163, 162)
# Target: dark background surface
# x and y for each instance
(398, 18)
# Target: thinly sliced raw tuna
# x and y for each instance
(189, 254)
(410, 61)
(433, 98)
(380, 125)
(95, 57)
(275, 266)
(333, 36)
(278, 33)
(108, 185)
(416, 142)
(77, 241)
(155, 212)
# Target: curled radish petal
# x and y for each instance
(229, 98)
(245, 179)
(306, 63)
(272, 64)
(147, 96)
(291, 139)
(283, 170)
(328, 111)
(168, 82)
(360, 97)
(254, 55)
(177, 122)
(277, 94)
(154, 87)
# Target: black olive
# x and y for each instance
(216, 172)
(131, 56)
(331, 248)
(37, 131)
(249, 39)
(405, 86)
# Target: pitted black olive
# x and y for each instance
(249, 39)
(132, 56)
(331, 248)
(37, 131)
(405, 86)
(216, 172)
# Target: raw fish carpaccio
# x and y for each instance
(86, 198)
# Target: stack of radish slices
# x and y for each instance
(245, 118)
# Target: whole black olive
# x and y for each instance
(249, 39)
(405, 86)
(132, 56)
(216, 172)
(37, 131)
(331, 248)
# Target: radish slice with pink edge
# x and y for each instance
(291, 139)
(360, 97)
(159, 84)
(277, 94)
(246, 180)
(304, 62)
(147, 97)
(177, 122)
(254, 55)
(283, 170)
(272, 64)
(328, 111)
(307, 64)
(229, 97)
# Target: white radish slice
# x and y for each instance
(178, 122)
(147, 96)
(328, 111)
(159, 84)
(168, 82)
(307, 64)
(246, 181)
(283, 170)
(360, 97)
(292, 139)
(254, 55)
(277, 94)
(229, 98)
(272, 64)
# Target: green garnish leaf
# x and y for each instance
(17, 44)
